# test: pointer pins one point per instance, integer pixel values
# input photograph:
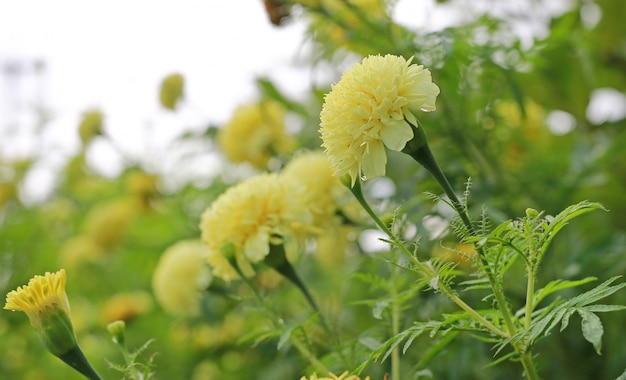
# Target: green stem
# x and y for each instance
(530, 302)
(277, 259)
(427, 270)
(529, 366)
(395, 328)
(419, 150)
(301, 347)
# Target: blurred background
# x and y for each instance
(109, 117)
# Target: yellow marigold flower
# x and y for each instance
(332, 376)
(248, 217)
(180, 276)
(172, 89)
(79, 250)
(255, 134)
(48, 309)
(368, 109)
(90, 126)
(126, 306)
(324, 192)
(45, 303)
(107, 222)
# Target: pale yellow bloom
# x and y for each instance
(127, 306)
(172, 90)
(347, 21)
(324, 192)
(255, 134)
(45, 303)
(180, 277)
(90, 126)
(332, 376)
(106, 223)
(368, 109)
(248, 217)
(79, 250)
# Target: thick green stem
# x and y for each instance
(530, 302)
(529, 366)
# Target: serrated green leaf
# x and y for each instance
(604, 308)
(592, 329)
(556, 285)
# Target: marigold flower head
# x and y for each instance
(172, 90)
(256, 133)
(106, 223)
(45, 303)
(332, 376)
(248, 217)
(368, 109)
(180, 276)
(90, 126)
(324, 191)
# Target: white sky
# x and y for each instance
(113, 54)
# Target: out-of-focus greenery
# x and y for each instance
(497, 121)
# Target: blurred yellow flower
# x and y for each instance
(248, 217)
(461, 253)
(90, 126)
(126, 306)
(107, 222)
(324, 191)
(368, 109)
(79, 250)
(180, 277)
(172, 90)
(256, 133)
(332, 376)
(143, 186)
(345, 23)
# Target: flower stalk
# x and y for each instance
(419, 150)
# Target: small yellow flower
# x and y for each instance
(90, 126)
(332, 376)
(248, 217)
(126, 306)
(172, 90)
(368, 109)
(255, 134)
(45, 303)
(107, 222)
(80, 249)
(180, 276)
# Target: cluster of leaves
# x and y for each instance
(490, 125)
